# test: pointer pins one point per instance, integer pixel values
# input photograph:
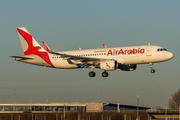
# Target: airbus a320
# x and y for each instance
(107, 59)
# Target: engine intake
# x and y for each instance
(127, 67)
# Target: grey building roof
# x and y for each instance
(114, 106)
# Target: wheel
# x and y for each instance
(152, 71)
(92, 74)
(105, 74)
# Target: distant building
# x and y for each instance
(65, 107)
(51, 107)
(121, 107)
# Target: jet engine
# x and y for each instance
(127, 67)
(108, 65)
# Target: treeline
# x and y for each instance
(74, 116)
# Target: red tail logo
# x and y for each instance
(34, 47)
(29, 39)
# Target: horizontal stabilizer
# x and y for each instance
(19, 58)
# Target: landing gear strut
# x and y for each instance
(152, 70)
(92, 73)
(105, 74)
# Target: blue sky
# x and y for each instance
(68, 25)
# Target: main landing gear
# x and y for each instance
(93, 74)
(152, 70)
(105, 74)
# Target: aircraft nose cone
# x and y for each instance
(170, 55)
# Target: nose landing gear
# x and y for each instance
(152, 70)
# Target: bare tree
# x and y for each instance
(174, 102)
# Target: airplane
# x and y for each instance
(107, 59)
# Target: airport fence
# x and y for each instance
(91, 115)
(130, 115)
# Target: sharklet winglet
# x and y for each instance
(104, 46)
(46, 47)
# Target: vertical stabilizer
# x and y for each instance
(29, 44)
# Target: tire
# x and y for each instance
(105, 74)
(152, 71)
(92, 74)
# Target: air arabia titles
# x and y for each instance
(124, 52)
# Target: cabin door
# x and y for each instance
(148, 51)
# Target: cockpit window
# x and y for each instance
(162, 49)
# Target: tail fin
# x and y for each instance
(29, 44)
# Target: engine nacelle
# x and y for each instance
(127, 67)
(108, 65)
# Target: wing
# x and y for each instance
(84, 60)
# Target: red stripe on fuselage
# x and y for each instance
(45, 57)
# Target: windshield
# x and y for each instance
(162, 49)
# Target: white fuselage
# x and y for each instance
(124, 55)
